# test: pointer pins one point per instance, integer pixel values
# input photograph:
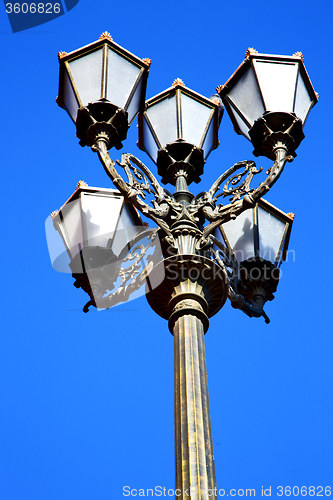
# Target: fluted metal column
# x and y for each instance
(195, 469)
(193, 290)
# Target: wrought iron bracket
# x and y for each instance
(181, 218)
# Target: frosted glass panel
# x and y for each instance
(71, 226)
(149, 141)
(87, 74)
(240, 235)
(270, 235)
(100, 215)
(126, 230)
(163, 118)
(242, 125)
(57, 251)
(208, 142)
(195, 116)
(277, 82)
(134, 105)
(69, 98)
(303, 100)
(122, 75)
(246, 96)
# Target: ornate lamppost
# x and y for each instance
(209, 251)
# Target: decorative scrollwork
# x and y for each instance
(244, 187)
(140, 181)
(219, 214)
(171, 215)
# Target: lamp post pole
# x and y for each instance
(199, 236)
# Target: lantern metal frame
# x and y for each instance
(101, 115)
(272, 126)
(254, 280)
(180, 154)
(95, 269)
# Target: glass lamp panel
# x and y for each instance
(219, 236)
(71, 226)
(121, 77)
(70, 100)
(271, 230)
(127, 228)
(195, 116)
(209, 139)
(100, 215)
(59, 257)
(240, 235)
(149, 141)
(246, 96)
(87, 74)
(134, 106)
(277, 82)
(303, 100)
(163, 117)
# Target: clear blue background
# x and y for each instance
(87, 399)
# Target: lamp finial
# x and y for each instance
(178, 81)
(106, 36)
(250, 51)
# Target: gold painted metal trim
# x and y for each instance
(179, 114)
(256, 243)
(98, 44)
(104, 81)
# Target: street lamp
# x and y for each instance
(171, 137)
(258, 242)
(102, 82)
(210, 251)
(104, 239)
(269, 98)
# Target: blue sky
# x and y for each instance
(87, 399)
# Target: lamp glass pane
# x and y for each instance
(242, 125)
(277, 81)
(240, 235)
(209, 139)
(71, 226)
(246, 96)
(271, 231)
(87, 74)
(122, 75)
(163, 117)
(70, 100)
(149, 141)
(100, 215)
(126, 230)
(134, 106)
(303, 100)
(195, 116)
(59, 257)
